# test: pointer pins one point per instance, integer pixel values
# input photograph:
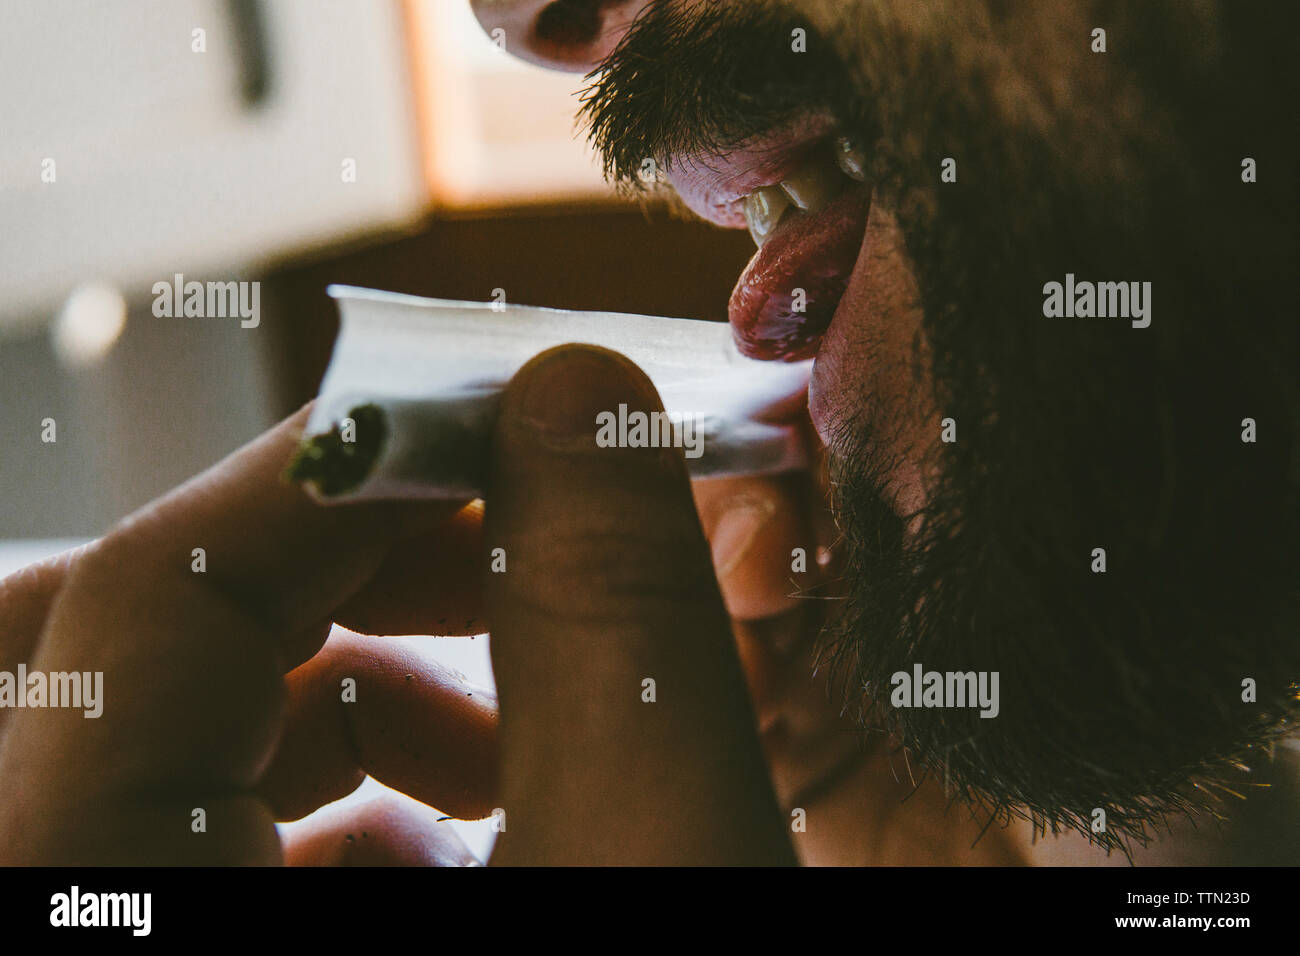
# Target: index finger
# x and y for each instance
(266, 544)
(189, 654)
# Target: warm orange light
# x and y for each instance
(493, 129)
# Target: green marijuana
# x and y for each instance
(339, 460)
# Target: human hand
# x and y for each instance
(198, 714)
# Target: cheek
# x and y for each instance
(872, 373)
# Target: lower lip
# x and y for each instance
(788, 293)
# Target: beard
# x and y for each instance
(1121, 706)
(1123, 690)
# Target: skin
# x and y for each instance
(222, 688)
(872, 377)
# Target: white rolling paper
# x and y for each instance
(435, 369)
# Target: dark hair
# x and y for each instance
(1121, 690)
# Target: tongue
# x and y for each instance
(816, 254)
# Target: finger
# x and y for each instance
(378, 706)
(772, 542)
(191, 661)
(25, 599)
(610, 583)
(431, 584)
(762, 540)
(389, 830)
(266, 544)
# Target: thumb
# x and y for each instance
(608, 586)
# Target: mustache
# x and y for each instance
(686, 83)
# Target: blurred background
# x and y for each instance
(386, 143)
(289, 143)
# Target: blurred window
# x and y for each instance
(496, 130)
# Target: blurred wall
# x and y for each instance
(173, 396)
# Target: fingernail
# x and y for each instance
(736, 530)
(565, 389)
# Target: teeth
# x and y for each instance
(851, 159)
(763, 210)
(813, 186)
(809, 189)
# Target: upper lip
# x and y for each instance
(715, 185)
